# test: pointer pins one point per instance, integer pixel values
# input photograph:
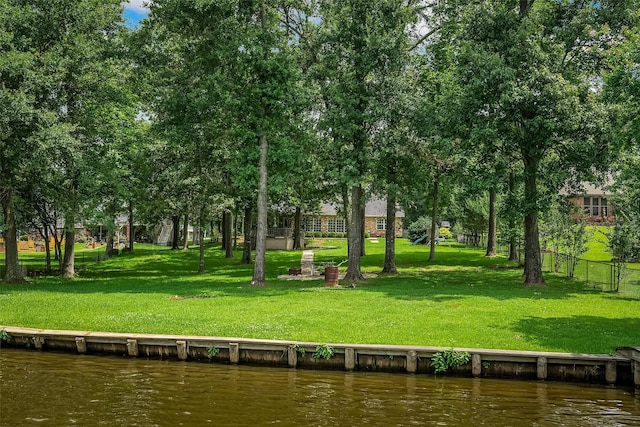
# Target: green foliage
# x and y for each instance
(418, 228)
(445, 360)
(323, 351)
(564, 231)
(212, 351)
(299, 349)
(4, 335)
(475, 213)
(446, 233)
(463, 297)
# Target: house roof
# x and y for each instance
(374, 208)
(589, 189)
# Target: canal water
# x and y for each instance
(50, 389)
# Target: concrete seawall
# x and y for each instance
(623, 368)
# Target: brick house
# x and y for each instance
(375, 213)
(594, 203)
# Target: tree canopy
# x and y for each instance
(212, 108)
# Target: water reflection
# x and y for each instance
(60, 390)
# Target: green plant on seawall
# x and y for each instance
(324, 350)
(444, 360)
(299, 349)
(4, 335)
(212, 351)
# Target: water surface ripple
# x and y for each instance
(50, 389)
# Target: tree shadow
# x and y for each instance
(442, 283)
(567, 334)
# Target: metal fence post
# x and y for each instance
(587, 268)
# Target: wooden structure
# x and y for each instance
(622, 368)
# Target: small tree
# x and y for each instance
(621, 240)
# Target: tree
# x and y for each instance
(362, 42)
(68, 50)
(543, 56)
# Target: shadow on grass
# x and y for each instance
(446, 285)
(457, 273)
(575, 333)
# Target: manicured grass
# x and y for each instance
(463, 300)
(597, 245)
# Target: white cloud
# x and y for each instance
(137, 5)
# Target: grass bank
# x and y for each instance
(463, 299)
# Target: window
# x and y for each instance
(604, 208)
(381, 224)
(312, 224)
(335, 225)
(595, 208)
(587, 206)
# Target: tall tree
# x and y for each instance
(362, 41)
(75, 77)
(543, 57)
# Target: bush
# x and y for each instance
(446, 233)
(325, 234)
(331, 234)
(317, 234)
(367, 234)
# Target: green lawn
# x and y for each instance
(463, 300)
(597, 246)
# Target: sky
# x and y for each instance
(134, 11)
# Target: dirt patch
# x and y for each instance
(181, 297)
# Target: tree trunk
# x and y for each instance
(513, 250)
(185, 233)
(296, 227)
(235, 229)
(345, 209)
(109, 249)
(223, 230)
(196, 235)
(493, 224)
(532, 263)
(201, 241)
(246, 249)
(354, 240)
(68, 261)
(13, 272)
(132, 230)
(47, 249)
(227, 227)
(363, 251)
(434, 216)
(390, 237)
(176, 231)
(57, 245)
(259, 267)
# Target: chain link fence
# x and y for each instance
(606, 276)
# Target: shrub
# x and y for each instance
(444, 232)
(331, 234)
(445, 360)
(367, 234)
(317, 234)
